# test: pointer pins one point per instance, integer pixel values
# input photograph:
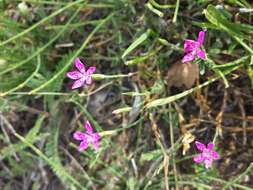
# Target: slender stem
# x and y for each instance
(172, 144)
(176, 11)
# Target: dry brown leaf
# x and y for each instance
(187, 139)
(182, 74)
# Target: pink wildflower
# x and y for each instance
(81, 75)
(207, 154)
(87, 138)
(193, 48)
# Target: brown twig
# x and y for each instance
(243, 113)
(219, 116)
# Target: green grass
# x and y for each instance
(133, 44)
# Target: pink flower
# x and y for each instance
(193, 48)
(80, 75)
(87, 138)
(207, 154)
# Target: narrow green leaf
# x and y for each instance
(152, 155)
(250, 71)
(218, 19)
(122, 110)
(163, 101)
(174, 20)
(102, 76)
(143, 58)
(159, 6)
(136, 43)
(154, 10)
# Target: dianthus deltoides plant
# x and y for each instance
(126, 94)
(82, 76)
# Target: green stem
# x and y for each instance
(176, 12)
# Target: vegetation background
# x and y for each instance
(136, 46)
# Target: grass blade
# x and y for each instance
(219, 20)
(136, 43)
(40, 22)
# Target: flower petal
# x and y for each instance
(208, 163)
(79, 65)
(200, 146)
(88, 79)
(78, 83)
(83, 145)
(91, 70)
(210, 146)
(74, 75)
(95, 145)
(79, 136)
(201, 54)
(201, 37)
(96, 137)
(88, 127)
(188, 57)
(198, 159)
(214, 155)
(190, 45)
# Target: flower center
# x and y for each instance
(206, 153)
